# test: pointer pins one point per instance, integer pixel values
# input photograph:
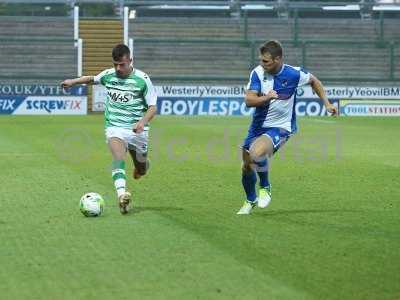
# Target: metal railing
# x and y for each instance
(296, 40)
(303, 47)
(391, 51)
(296, 27)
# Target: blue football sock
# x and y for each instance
(262, 171)
(249, 180)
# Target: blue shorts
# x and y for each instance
(278, 136)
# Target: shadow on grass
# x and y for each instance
(139, 209)
(289, 212)
(298, 217)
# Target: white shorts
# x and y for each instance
(133, 141)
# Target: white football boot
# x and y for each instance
(246, 208)
(264, 197)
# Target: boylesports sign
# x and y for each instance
(229, 100)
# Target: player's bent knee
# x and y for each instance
(257, 154)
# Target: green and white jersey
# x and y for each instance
(127, 99)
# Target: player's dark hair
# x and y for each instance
(119, 51)
(274, 48)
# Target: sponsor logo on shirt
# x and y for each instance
(122, 97)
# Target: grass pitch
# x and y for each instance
(331, 231)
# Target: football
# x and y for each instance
(91, 205)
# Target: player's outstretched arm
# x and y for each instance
(67, 83)
(253, 99)
(318, 88)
